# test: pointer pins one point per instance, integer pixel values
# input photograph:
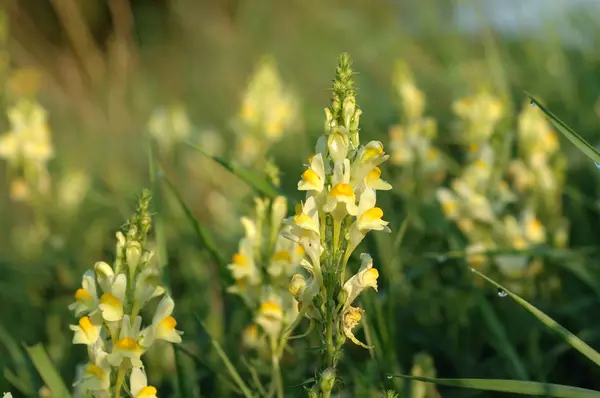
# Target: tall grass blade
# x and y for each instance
(568, 132)
(569, 337)
(230, 368)
(183, 369)
(257, 182)
(511, 386)
(47, 371)
(502, 340)
(24, 371)
(203, 236)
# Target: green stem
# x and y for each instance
(329, 337)
(120, 380)
(277, 374)
(347, 255)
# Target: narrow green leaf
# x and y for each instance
(203, 236)
(257, 182)
(47, 371)
(24, 371)
(569, 337)
(511, 386)
(568, 132)
(232, 371)
(502, 340)
(17, 382)
(183, 369)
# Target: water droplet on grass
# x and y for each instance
(597, 165)
(390, 377)
(532, 104)
(502, 293)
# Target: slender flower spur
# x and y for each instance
(341, 183)
(109, 303)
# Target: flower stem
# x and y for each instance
(329, 335)
(120, 380)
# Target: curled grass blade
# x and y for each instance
(257, 182)
(47, 371)
(511, 386)
(569, 337)
(568, 132)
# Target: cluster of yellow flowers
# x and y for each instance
(482, 200)
(169, 126)
(109, 303)
(27, 148)
(261, 269)
(341, 181)
(268, 110)
(411, 142)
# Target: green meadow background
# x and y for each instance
(104, 67)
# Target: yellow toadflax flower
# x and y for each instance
(86, 298)
(365, 277)
(163, 324)
(96, 373)
(138, 383)
(270, 316)
(350, 318)
(88, 329)
(127, 347)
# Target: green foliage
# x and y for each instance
(102, 72)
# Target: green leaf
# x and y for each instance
(203, 236)
(568, 132)
(19, 360)
(257, 182)
(569, 337)
(230, 368)
(511, 386)
(47, 371)
(502, 340)
(183, 368)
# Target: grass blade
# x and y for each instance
(257, 182)
(47, 371)
(203, 236)
(568, 132)
(232, 371)
(511, 386)
(183, 369)
(503, 342)
(19, 360)
(569, 337)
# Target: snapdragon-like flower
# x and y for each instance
(163, 324)
(261, 268)
(111, 299)
(268, 111)
(341, 183)
(139, 384)
(86, 297)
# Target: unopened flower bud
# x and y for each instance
(348, 109)
(133, 254)
(327, 380)
(338, 143)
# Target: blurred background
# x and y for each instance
(87, 83)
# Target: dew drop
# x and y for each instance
(532, 104)
(502, 293)
(597, 165)
(441, 259)
(390, 377)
